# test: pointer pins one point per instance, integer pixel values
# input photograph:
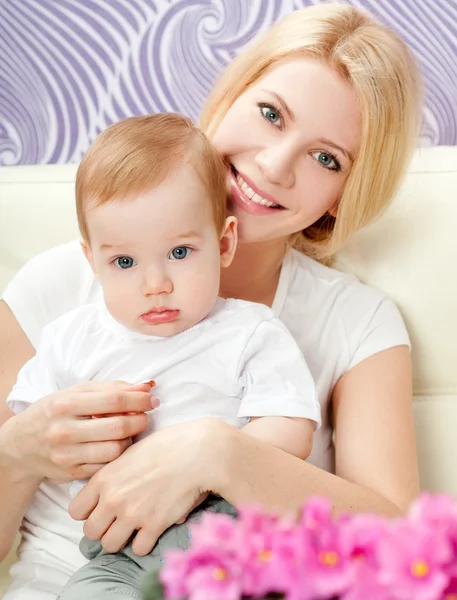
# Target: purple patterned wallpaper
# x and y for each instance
(68, 68)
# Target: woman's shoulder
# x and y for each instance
(49, 285)
(321, 283)
(337, 305)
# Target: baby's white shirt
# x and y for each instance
(239, 362)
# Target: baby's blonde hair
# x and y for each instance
(137, 154)
(386, 81)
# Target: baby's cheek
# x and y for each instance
(118, 302)
(203, 285)
(204, 296)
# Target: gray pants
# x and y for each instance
(110, 576)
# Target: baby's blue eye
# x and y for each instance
(124, 262)
(180, 253)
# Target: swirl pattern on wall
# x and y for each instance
(70, 68)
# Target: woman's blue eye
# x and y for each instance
(180, 252)
(271, 114)
(124, 262)
(328, 161)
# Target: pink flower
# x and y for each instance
(268, 554)
(327, 567)
(229, 557)
(411, 562)
(450, 593)
(199, 575)
(316, 513)
(437, 510)
(318, 557)
(174, 572)
(214, 543)
(216, 529)
(361, 534)
(217, 579)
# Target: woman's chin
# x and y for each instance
(254, 229)
(251, 234)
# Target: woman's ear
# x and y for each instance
(88, 254)
(333, 210)
(229, 241)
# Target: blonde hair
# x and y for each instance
(138, 153)
(386, 81)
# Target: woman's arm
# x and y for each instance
(374, 427)
(15, 351)
(157, 481)
(54, 438)
(376, 461)
(17, 488)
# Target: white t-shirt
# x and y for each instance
(336, 321)
(239, 362)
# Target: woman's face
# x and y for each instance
(290, 139)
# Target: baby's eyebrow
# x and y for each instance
(110, 246)
(187, 235)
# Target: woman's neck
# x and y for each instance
(254, 272)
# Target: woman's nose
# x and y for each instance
(277, 165)
(156, 282)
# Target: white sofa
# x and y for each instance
(410, 253)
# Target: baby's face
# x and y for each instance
(158, 256)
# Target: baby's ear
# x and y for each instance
(88, 254)
(229, 240)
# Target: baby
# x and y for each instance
(151, 205)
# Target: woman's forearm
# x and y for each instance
(18, 489)
(293, 435)
(256, 473)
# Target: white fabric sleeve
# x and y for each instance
(274, 377)
(380, 329)
(47, 286)
(38, 377)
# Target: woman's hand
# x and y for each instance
(153, 485)
(57, 438)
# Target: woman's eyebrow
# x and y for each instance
(336, 147)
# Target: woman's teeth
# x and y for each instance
(252, 195)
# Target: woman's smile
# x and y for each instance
(249, 197)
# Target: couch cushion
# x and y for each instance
(411, 254)
(36, 213)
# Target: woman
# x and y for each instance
(317, 120)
